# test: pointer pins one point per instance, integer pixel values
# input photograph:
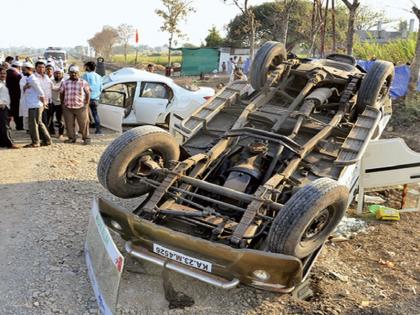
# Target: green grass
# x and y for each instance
(398, 51)
(161, 60)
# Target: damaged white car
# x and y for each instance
(132, 97)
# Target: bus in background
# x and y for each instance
(58, 54)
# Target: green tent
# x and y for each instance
(199, 60)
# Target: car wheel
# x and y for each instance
(125, 156)
(375, 86)
(267, 59)
(308, 218)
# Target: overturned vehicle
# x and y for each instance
(259, 181)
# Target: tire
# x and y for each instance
(323, 199)
(123, 154)
(375, 86)
(270, 54)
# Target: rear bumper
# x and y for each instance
(229, 265)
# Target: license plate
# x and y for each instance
(104, 263)
(182, 258)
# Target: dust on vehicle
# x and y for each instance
(262, 177)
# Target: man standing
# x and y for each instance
(75, 96)
(95, 83)
(46, 86)
(5, 137)
(35, 100)
(56, 108)
(49, 70)
(150, 68)
(9, 60)
(60, 63)
(12, 83)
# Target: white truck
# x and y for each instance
(58, 54)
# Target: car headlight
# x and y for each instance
(261, 275)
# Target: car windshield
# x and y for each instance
(56, 55)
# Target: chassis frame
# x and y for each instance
(183, 194)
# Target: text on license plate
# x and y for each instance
(181, 258)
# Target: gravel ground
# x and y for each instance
(45, 198)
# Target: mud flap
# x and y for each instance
(176, 299)
(104, 262)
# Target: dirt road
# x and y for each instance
(45, 196)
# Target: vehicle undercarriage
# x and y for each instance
(257, 173)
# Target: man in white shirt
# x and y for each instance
(46, 85)
(57, 108)
(35, 100)
(5, 136)
(60, 63)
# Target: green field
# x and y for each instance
(161, 60)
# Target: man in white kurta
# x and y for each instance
(5, 135)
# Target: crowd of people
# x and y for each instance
(43, 100)
(236, 68)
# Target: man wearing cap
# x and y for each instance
(12, 83)
(34, 99)
(75, 96)
(5, 136)
(56, 108)
(95, 83)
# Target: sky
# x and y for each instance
(45, 23)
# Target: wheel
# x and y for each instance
(127, 154)
(375, 86)
(308, 218)
(268, 57)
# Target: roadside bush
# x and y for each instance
(398, 51)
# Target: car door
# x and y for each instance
(115, 105)
(153, 100)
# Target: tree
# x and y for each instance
(366, 18)
(174, 11)
(250, 23)
(269, 25)
(125, 34)
(411, 101)
(352, 7)
(104, 40)
(286, 7)
(213, 39)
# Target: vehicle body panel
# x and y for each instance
(228, 262)
(146, 110)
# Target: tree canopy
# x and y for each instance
(269, 22)
(125, 33)
(214, 39)
(104, 40)
(172, 13)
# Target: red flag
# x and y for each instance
(137, 36)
